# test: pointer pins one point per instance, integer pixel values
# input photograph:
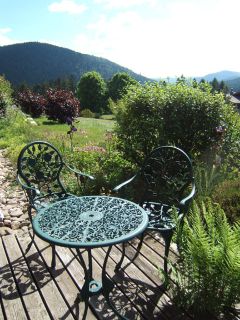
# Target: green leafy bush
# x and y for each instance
(87, 113)
(207, 178)
(207, 278)
(227, 194)
(107, 166)
(5, 95)
(15, 132)
(156, 114)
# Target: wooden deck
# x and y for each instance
(29, 289)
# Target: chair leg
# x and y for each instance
(138, 247)
(167, 239)
(118, 266)
(53, 264)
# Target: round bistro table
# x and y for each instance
(91, 222)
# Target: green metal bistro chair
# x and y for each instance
(164, 181)
(39, 169)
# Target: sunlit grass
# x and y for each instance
(89, 131)
(16, 131)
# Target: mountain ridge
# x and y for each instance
(37, 62)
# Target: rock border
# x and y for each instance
(13, 203)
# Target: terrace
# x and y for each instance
(30, 289)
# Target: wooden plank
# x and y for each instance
(25, 282)
(65, 284)
(132, 288)
(154, 301)
(147, 268)
(52, 298)
(98, 303)
(11, 301)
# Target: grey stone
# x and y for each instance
(25, 224)
(15, 212)
(5, 231)
(7, 223)
(16, 225)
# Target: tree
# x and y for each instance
(61, 104)
(119, 84)
(215, 85)
(91, 91)
(31, 103)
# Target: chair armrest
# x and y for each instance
(184, 202)
(123, 184)
(26, 187)
(77, 172)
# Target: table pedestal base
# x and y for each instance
(92, 287)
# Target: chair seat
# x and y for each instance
(160, 216)
(44, 201)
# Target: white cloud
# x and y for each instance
(67, 6)
(187, 37)
(4, 38)
(118, 4)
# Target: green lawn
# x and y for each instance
(89, 130)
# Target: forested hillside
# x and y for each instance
(234, 84)
(35, 62)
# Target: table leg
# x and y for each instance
(108, 285)
(90, 286)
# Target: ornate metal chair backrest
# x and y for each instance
(166, 175)
(39, 166)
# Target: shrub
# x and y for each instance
(61, 104)
(228, 148)
(5, 95)
(227, 194)
(87, 113)
(156, 114)
(207, 178)
(31, 103)
(207, 278)
(15, 132)
(107, 165)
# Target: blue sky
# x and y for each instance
(157, 38)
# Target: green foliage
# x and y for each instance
(107, 165)
(87, 113)
(61, 104)
(15, 132)
(118, 85)
(207, 179)
(207, 278)
(5, 95)
(156, 114)
(219, 86)
(229, 145)
(227, 194)
(91, 91)
(31, 103)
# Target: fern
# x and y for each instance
(207, 279)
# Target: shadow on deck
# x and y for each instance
(29, 289)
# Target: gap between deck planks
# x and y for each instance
(31, 290)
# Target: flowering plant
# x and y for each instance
(72, 129)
